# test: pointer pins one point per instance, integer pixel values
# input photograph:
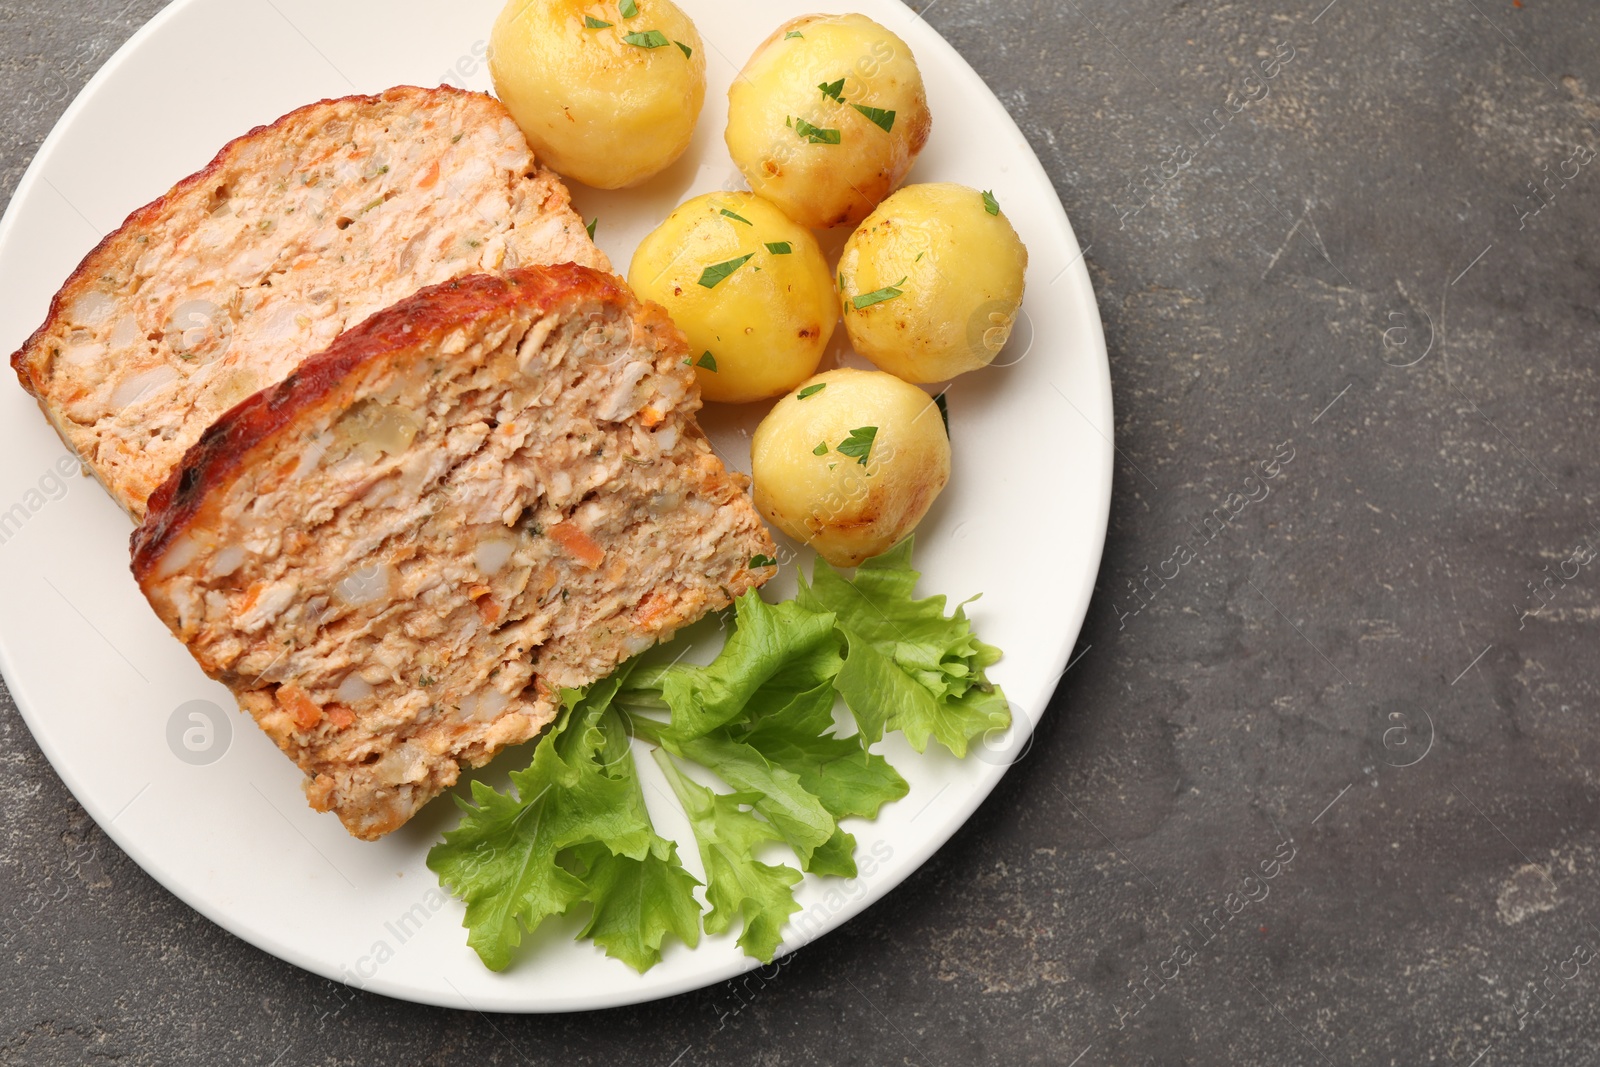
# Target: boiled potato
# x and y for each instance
(932, 282)
(606, 93)
(850, 462)
(750, 289)
(827, 118)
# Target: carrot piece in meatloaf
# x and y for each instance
(397, 557)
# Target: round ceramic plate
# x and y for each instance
(205, 802)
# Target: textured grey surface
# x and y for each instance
(1272, 691)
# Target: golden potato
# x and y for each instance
(606, 93)
(850, 462)
(750, 289)
(827, 118)
(932, 282)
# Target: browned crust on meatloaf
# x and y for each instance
(429, 314)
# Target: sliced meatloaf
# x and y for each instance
(294, 232)
(398, 556)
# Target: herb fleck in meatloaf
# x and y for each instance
(399, 555)
(294, 232)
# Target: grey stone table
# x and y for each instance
(1319, 788)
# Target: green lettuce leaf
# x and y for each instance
(738, 886)
(907, 666)
(839, 771)
(835, 856)
(778, 745)
(574, 828)
(512, 859)
(638, 902)
(773, 653)
(797, 815)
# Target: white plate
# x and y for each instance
(107, 691)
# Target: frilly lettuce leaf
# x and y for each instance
(907, 666)
(773, 652)
(574, 828)
(738, 886)
(577, 808)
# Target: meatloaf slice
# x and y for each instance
(294, 232)
(397, 557)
